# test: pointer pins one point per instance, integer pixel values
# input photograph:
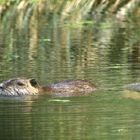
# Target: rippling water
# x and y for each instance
(105, 53)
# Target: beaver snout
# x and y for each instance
(1, 87)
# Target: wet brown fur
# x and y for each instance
(23, 86)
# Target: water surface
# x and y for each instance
(106, 53)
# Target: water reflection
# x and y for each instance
(106, 53)
(81, 118)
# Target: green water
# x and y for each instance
(106, 53)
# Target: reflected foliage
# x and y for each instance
(44, 44)
(54, 40)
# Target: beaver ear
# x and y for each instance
(33, 82)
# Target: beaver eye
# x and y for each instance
(20, 83)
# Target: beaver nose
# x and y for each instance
(1, 87)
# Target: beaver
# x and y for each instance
(132, 91)
(133, 87)
(23, 86)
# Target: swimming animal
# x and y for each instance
(23, 86)
(133, 87)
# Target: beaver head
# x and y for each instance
(19, 86)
